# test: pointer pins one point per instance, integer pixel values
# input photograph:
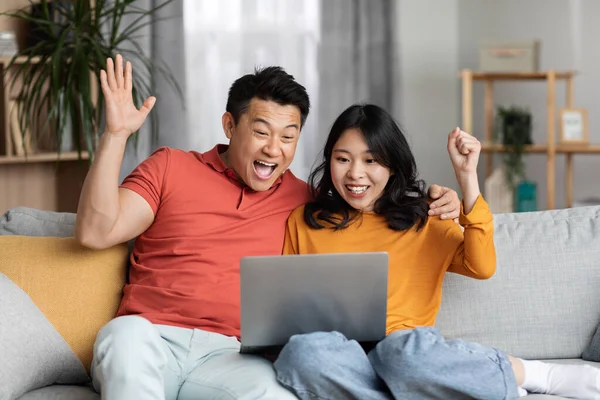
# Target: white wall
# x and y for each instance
(437, 38)
(569, 33)
(226, 39)
(428, 101)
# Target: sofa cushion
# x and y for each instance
(26, 221)
(592, 352)
(62, 392)
(543, 301)
(77, 289)
(33, 353)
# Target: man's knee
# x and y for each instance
(128, 332)
(126, 343)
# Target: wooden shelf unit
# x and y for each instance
(44, 158)
(519, 76)
(47, 181)
(19, 60)
(498, 148)
(551, 148)
(542, 148)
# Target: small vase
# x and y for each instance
(526, 196)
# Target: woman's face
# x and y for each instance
(356, 175)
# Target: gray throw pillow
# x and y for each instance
(32, 352)
(592, 352)
(25, 221)
(62, 392)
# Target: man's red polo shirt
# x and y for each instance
(185, 267)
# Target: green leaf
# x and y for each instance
(55, 78)
(513, 129)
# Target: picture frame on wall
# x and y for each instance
(573, 126)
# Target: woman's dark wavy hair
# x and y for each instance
(403, 202)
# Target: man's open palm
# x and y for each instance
(122, 116)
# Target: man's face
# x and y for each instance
(263, 143)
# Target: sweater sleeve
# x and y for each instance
(290, 243)
(475, 255)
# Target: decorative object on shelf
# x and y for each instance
(526, 196)
(8, 44)
(513, 130)
(509, 57)
(498, 194)
(61, 66)
(573, 126)
(21, 140)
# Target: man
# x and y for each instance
(194, 216)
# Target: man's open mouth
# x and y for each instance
(264, 169)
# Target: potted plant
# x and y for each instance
(56, 74)
(513, 130)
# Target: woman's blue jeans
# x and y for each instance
(411, 364)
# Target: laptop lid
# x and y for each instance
(286, 295)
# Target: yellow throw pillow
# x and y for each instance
(78, 289)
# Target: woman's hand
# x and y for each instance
(464, 150)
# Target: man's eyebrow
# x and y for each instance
(264, 121)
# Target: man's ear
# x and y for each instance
(228, 124)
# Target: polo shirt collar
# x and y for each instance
(213, 159)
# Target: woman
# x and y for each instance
(368, 198)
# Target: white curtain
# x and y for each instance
(340, 50)
(163, 42)
(226, 39)
(355, 57)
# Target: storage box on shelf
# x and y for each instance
(509, 56)
(550, 148)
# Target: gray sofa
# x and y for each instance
(542, 303)
(544, 300)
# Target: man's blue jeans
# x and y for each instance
(412, 364)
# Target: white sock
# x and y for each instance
(522, 392)
(574, 381)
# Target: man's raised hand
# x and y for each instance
(122, 116)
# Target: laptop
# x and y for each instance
(286, 295)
